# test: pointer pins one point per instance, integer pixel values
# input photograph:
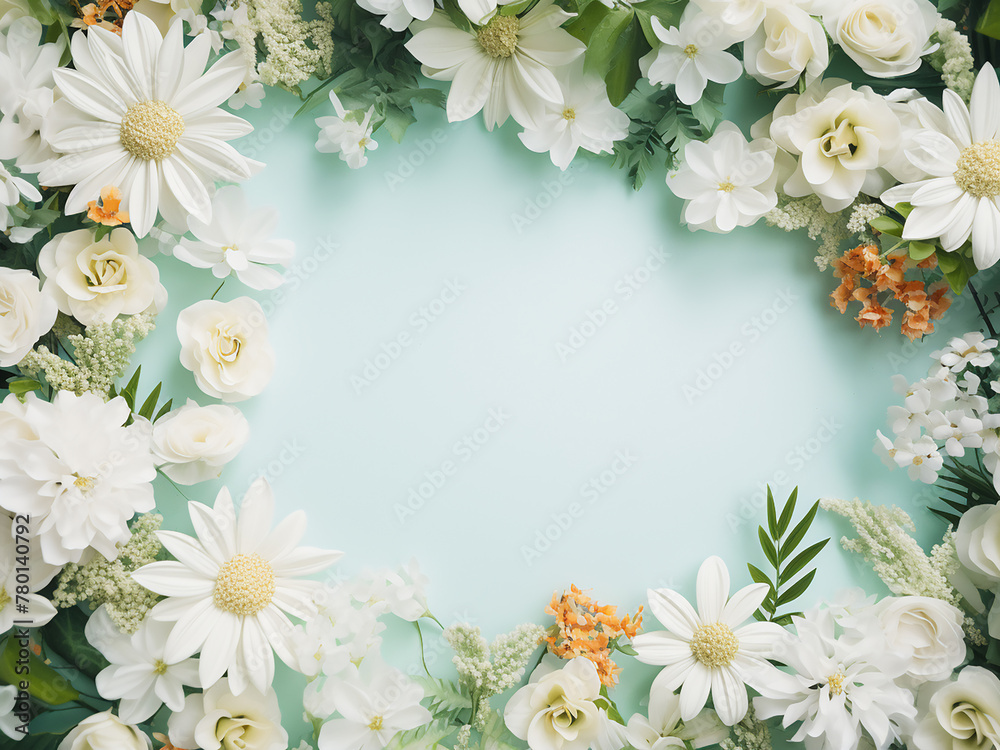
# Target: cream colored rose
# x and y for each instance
(556, 709)
(25, 314)
(192, 444)
(977, 541)
(105, 730)
(98, 280)
(219, 720)
(886, 38)
(930, 629)
(961, 715)
(226, 346)
(788, 45)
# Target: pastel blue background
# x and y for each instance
(452, 206)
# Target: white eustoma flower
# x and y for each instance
(841, 687)
(504, 68)
(231, 585)
(710, 650)
(725, 181)
(25, 314)
(929, 629)
(138, 674)
(139, 112)
(961, 199)
(582, 118)
(237, 241)
(223, 717)
(97, 280)
(398, 14)
(664, 728)
(556, 709)
(26, 95)
(193, 443)
(886, 38)
(374, 705)
(39, 610)
(105, 730)
(692, 54)
(344, 134)
(843, 139)
(73, 466)
(789, 45)
(960, 715)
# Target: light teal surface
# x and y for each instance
(535, 253)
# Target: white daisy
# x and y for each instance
(710, 650)
(231, 586)
(961, 199)
(502, 67)
(139, 112)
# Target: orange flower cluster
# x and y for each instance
(585, 628)
(922, 304)
(108, 14)
(107, 211)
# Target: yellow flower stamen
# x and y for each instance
(836, 683)
(375, 724)
(691, 50)
(498, 37)
(978, 172)
(569, 113)
(150, 130)
(245, 585)
(715, 645)
(726, 187)
(159, 667)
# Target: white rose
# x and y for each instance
(556, 709)
(977, 541)
(25, 314)
(789, 44)
(226, 346)
(105, 730)
(98, 280)
(961, 715)
(886, 38)
(842, 137)
(218, 719)
(928, 628)
(192, 444)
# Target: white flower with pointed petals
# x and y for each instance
(664, 728)
(231, 586)
(398, 14)
(139, 112)
(503, 67)
(344, 134)
(710, 650)
(692, 54)
(961, 198)
(15, 589)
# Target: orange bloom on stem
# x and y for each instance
(107, 211)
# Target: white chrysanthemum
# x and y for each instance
(503, 67)
(710, 650)
(961, 199)
(76, 469)
(139, 112)
(231, 585)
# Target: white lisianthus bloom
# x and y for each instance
(886, 38)
(842, 137)
(26, 94)
(930, 629)
(789, 45)
(139, 112)
(221, 718)
(238, 241)
(346, 135)
(226, 346)
(710, 650)
(692, 54)
(504, 67)
(76, 470)
(664, 728)
(12, 190)
(398, 14)
(231, 585)
(961, 199)
(97, 280)
(583, 118)
(25, 314)
(193, 443)
(977, 542)
(12, 582)
(374, 705)
(138, 675)
(960, 715)
(725, 182)
(105, 730)
(556, 709)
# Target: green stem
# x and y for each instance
(420, 635)
(219, 289)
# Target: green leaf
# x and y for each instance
(55, 724)
(422, 738)
(64, 635)
(604, 39)
(921, 250)
(163, 409)
(801, 560)
(887, 225)
(772, 515)
(624, 71)
(668, 11)
(797, 589)
(456, 16)
(149, 405)
(989, 21)
(445, 696)
(787, 512)
(798, 533)
(46, 684)
(516, 9)
(758, 575)
(768, 546)
(397, 121)
(133, 385)
(23, 385)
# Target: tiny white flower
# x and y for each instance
(664, 728)
(12, 190)
(920, 458)
(345, 135)
(249, 94)
(198, 25)
(971, 349)
(957, 430)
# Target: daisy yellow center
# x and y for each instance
(159, 667)
(85, 484)
(917, 460)
(691, 50)
(836, 683)
(498, 38)
(569, 113)
(150, 130)
(245, 585)
(978, 172)
(726, 187)
(715, 645)
(375, 724)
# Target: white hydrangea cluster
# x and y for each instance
(749, 734)
(953, 59)
(944, 414)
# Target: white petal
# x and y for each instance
(712, 589)
(170, 578)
